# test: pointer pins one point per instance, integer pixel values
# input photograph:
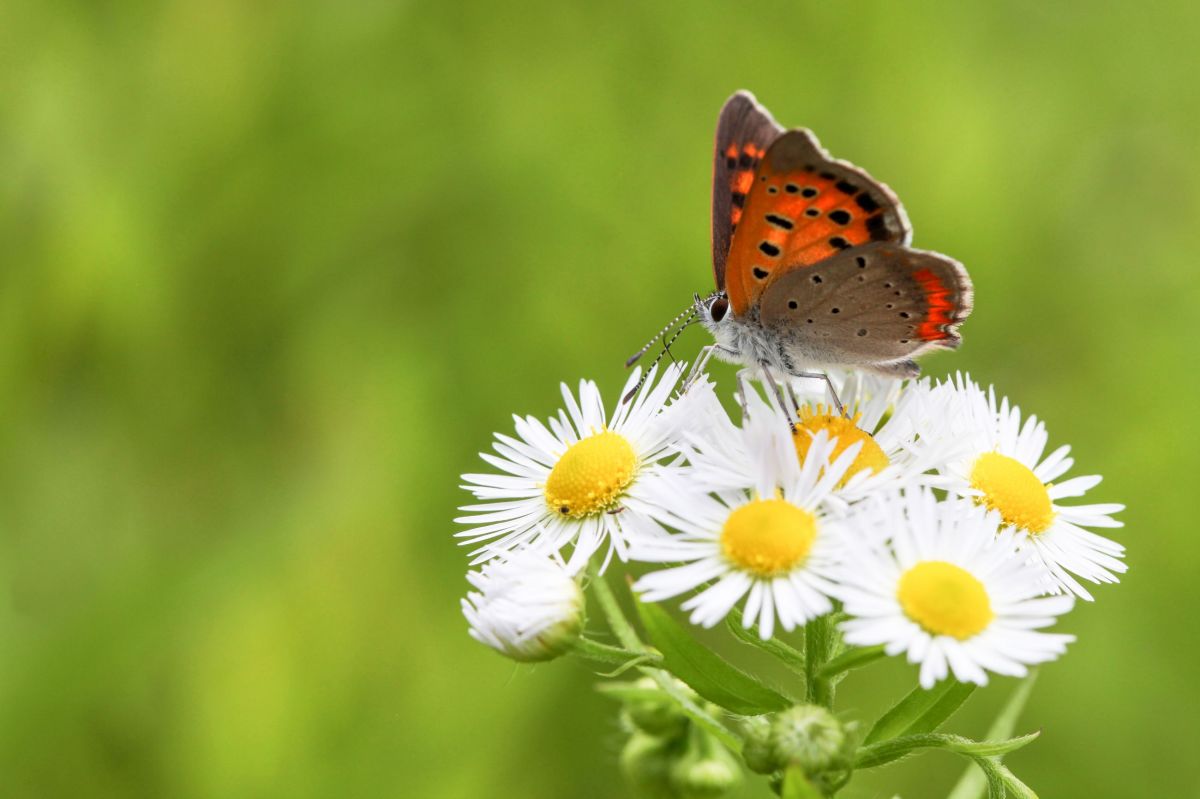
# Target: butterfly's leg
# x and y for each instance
(769, 379)
(828, 382)
(792, 401)
(702, 359)
(743, 378)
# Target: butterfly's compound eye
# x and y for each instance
(718, 309)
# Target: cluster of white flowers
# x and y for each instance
(927, 515)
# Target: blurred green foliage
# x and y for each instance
(272, 273)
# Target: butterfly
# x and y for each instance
(812, 260)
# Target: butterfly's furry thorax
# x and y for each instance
(742, 340)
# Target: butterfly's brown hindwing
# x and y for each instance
(803, 207)
(744, 132)
(869, 305)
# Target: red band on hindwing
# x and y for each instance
(941, 306)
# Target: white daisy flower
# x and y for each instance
(570, 483)
(949, 592)
(883, 414)
(751, 523)
(527, 607)
(1002, 467)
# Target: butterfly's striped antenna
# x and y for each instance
(666, 350)
(691, 309)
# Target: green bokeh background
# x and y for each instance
(271, 274)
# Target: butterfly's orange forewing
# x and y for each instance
(802, 206)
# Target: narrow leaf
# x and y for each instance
(851, 659)
(920, 711)
(971, 784)
(706, 672)
(878, 754)
(790, 656)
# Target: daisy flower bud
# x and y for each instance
(808, 736)
(528, 608)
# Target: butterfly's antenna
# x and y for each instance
(666, 350)
(691, 309)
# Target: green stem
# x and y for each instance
(628, 637)
(612, 655)
(693, 711)
(973, 782)
(615, 617)
(818, 639)
(797, 786)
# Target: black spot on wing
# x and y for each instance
(760, 273)
(866, 202)
(780, 221)
(877, 227)
(768, 249)
(846, 187)
(840, 216)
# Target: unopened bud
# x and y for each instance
(706, 770)
(646, 762)
(528, 608)
(655, 712)
(806, 735)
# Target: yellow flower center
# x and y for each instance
(1012, 488)
(846, 432)
(591, 475)
(945, 599)
(768, 537)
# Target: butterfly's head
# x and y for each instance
(712, 309)
(713, 312)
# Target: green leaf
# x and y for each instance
(921, 711)
(971, 784)
(884, 752)
(797, 786)
(706, 672)
(791, 657)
